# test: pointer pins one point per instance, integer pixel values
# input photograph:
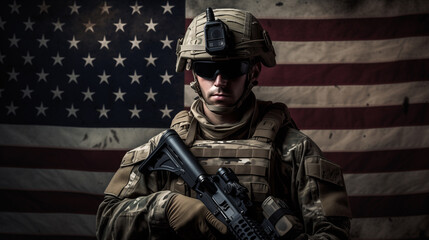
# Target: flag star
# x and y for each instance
(73, 43)
(119, 95)
(58, 25)
(88, 95)
(104, 43)
(72, 111)
(14, 41)
(151, 26)
(104, 77)
(57, 93)
(29, 24)
(43, 7)
(136, 8)
(27, 92)
(89, 26)
(167, 8)
(73, 77)
(11, 109)
(103, 112)
(14, 7)
(166, 77)
(88, 60)
(43, 41)
(150, 95)
(119, 60)
(2, 58)
(166, 112)
(58, 59)
(2, 23)
(135, 112)
(120, 25)
(151, 60)
(166, 42)
(135, 77)
(135, 42)
(28, 59)
(13, 75)
(74, 8)
(42, 75)
(105, 8)
(41, 109)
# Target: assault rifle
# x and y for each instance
(222, 193)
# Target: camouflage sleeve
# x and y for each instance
(317, 189)
(134, 205)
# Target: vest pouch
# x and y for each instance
(249, 159)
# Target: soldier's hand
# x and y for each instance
(190, 218)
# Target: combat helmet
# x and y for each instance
(248, 40)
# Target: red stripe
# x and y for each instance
(52, 158)
(390, 206)
(341, 74)
(362, 117)
(345, 29)
(11, 236)
(49, 202)
(352, 162)
(381, 161)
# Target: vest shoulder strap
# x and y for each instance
(185, 125)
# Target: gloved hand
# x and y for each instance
(191, 219)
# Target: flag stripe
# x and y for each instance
(16, 223)
(407, 227)
(43, 237)
(341, 74)
(55, 180)
(387, 184)
(381, 161)
(49, 202)
(362, 117)
(338, 95)
(331, 140)
(365, 51)
(390, 206)
(315, 9)
(345, 29)
(53, 158)
(375, 139)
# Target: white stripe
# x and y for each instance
(374, 139)
(410, 227)
(392, 183)
(62, 224)
(314, 9)
(75, 137)
(338, 96)
(54, 180)
(371, 51)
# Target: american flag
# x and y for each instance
(84, 81)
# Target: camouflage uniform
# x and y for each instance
(296, 171)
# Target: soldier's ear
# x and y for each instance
(255, 71)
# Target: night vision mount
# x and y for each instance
(217, 35)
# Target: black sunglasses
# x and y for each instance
(228, 69)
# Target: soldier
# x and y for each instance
(228, 127)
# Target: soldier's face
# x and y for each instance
(222, 91)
